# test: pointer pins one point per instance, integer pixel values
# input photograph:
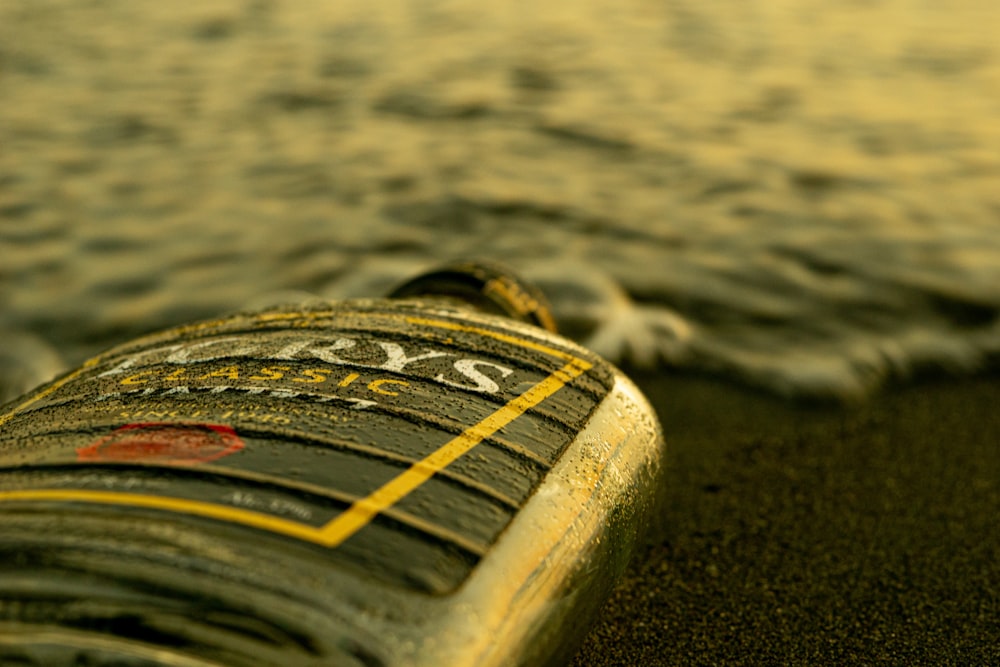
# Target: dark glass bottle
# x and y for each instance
(427, 479)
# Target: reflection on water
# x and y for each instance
(802, 194)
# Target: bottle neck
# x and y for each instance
(483, 286)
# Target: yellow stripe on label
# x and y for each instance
(363, 511)
(507, 338)
(358, 515)
(181, 505)
(48, 390)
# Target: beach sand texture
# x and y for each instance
(811, 536)
(762, 206)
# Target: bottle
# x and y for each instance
(434, 478)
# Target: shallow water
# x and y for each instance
(801, 195)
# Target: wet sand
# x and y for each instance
(808, 535)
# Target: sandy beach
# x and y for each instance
(797, 535)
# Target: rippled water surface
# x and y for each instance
(801, 194)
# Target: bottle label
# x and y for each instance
(364, 431)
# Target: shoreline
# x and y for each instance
(803, 534)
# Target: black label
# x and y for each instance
(400, 443)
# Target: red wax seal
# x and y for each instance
(165, 443)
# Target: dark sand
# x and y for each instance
(810, 535)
